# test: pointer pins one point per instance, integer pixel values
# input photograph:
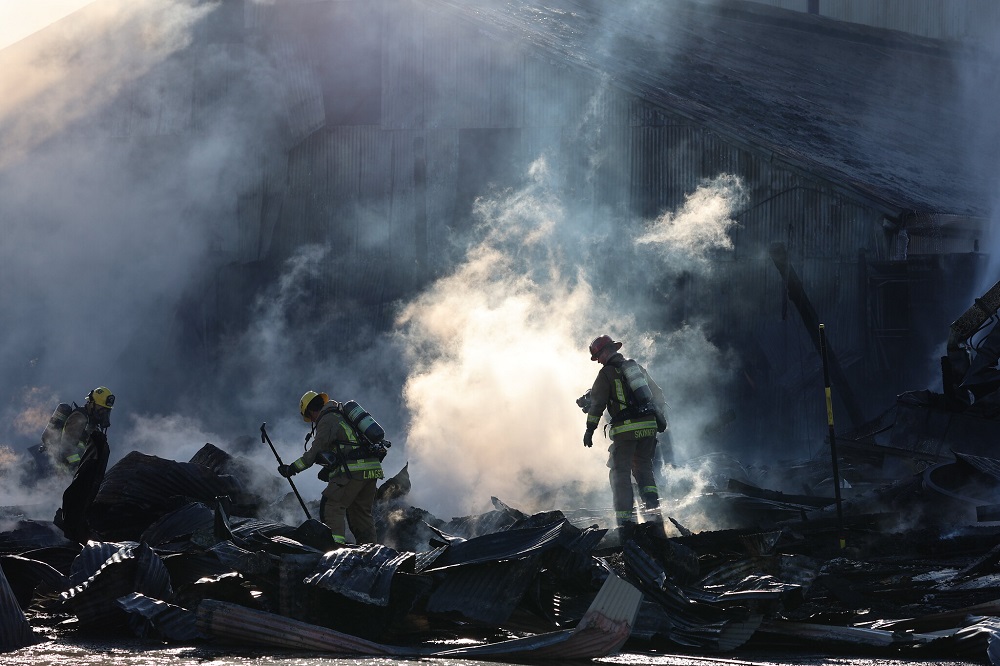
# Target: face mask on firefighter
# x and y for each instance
(103, 417)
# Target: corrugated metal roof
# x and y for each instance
(603, 630)
(241, 560)
(129, 570)
(32, 534)
(229, 622)
(816, 94)
(303, 98)
(692, 623)
(139, 488)
(92, 557)
(485, 592)
(28, 574)
(505, 545)
(182, 523)
(363, 573)
(153, 616)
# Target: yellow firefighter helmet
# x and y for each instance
(307, 398)
(102, 397)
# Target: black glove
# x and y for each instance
(588, 438)
(286, 471)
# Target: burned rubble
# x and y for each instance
(191, 552)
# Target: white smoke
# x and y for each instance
(684, 239)
(110, 224)
(497, 355)
(495, 358)
(71, 69)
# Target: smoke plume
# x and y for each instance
(119, 210)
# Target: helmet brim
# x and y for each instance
(594, 356)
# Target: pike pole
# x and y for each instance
(833, 439)
(265, 438)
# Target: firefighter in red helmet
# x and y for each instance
(636, 407)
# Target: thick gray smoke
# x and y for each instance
(118, 208)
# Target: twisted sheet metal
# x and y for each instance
(15, 632)
(241, 625)
(363, 574)
(152, 616)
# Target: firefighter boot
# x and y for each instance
(626, 530)
(651, 507)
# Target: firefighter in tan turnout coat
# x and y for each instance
(350, 467)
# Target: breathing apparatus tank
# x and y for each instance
(53, 429)
(637, 383)
(363, 422)
(639, 388)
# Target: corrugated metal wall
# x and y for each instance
(955, 20)
(457, 106)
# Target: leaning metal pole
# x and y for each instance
(795, 292)
(265, 438)
(833, 437)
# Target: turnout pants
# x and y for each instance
(351, 499)
(627, 459)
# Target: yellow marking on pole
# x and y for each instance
(829, 406)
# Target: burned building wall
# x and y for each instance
(325, 165)
(391, 191)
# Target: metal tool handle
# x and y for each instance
(265, 438)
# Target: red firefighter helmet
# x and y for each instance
(599, 345)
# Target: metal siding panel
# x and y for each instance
(400, 197)
(316, 182)
(341, 165)
(404, 77)
(442, 177)
(506, 108)
(472, 81)
(646, 151)
(261, 194)
(543, 142)
(542, 91)
(719, 157)
(617, 108)
(612, 175)
(643, 114)
(303, 91)
(148, 107)
(441, 80)
(818, 234)
(685, 174)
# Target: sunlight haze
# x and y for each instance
(20, 18)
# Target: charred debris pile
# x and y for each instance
(183, 552)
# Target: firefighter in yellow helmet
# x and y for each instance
(350, 468)
(636, 407)
(83, 447)
(71, 429)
